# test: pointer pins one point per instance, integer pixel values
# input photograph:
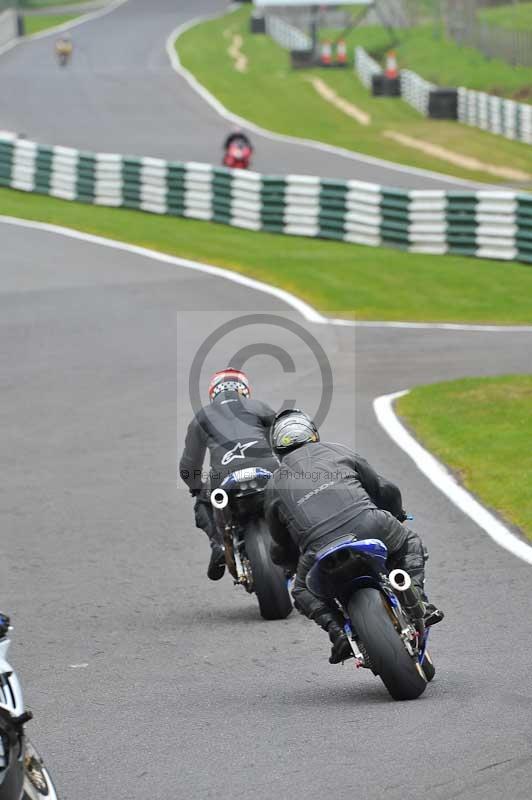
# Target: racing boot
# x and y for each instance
(341, 649)
(216, 567)
(332, 622)
(433, 615)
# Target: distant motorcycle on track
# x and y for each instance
(237, 154)
(384, 614)
(63, 51)
(23, 775)
(239, 514)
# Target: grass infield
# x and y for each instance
(37, 24)
(278, 98)
(481, 428)
(340, 279)
(38, 4)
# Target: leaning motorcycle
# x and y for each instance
(383, 612)
(239, 514)
(23, 775)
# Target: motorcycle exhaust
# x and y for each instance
(219, 498)
(220, 502)
(401, 582)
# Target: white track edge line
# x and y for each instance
(309, 313)
(224, 112)
(66, 26)
(440, 326)
(444, 481)
(305, 309)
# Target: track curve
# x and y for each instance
(120, 93)
(146, 679)
(172, 685)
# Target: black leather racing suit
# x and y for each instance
(322, 491)
(235, 431)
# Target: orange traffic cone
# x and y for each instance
(391, 70)
(326, 54)
(341, 52)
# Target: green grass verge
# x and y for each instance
(38, 4)
(281, 99)
(338, 278)
(512, 18)
(38, 24)
(482, 429)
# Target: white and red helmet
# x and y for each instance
(229, 380)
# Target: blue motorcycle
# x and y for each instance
(384, 614)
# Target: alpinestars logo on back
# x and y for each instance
(238, 451)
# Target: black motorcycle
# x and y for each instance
(239, 513)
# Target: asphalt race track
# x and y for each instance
(120, 94)
(147, 680)
(185, 692)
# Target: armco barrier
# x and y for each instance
(488, 224)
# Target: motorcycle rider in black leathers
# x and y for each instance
(235, 430)
(320, 492)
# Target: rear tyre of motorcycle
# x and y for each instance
(269, 580)
(395, 667)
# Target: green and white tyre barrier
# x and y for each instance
(495, 114)
(487, 224)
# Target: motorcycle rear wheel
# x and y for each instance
(395, 667)
(269, 580)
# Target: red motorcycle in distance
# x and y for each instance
(237, 154)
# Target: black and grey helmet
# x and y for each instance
(292, 428)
